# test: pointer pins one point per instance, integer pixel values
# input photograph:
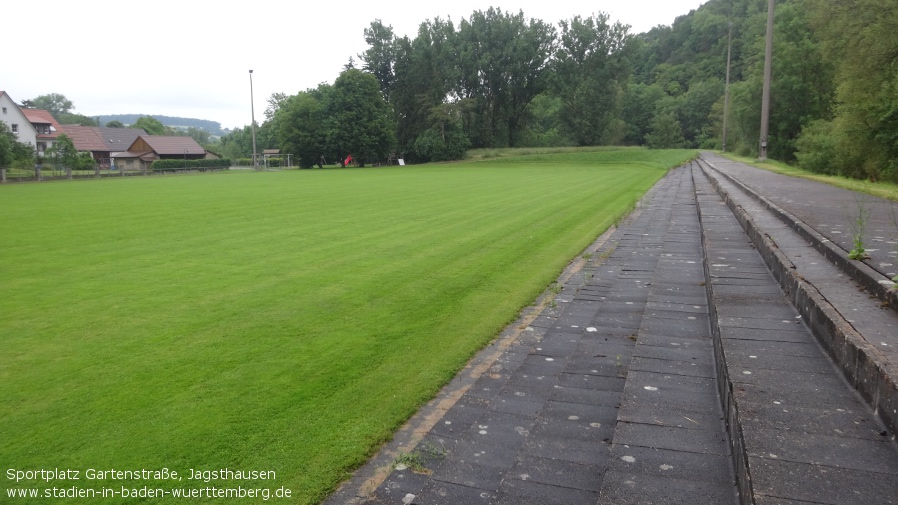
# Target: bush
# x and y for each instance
(435, 145)
(85, 162)
(666, 133)
(816, 148)
(175, 164)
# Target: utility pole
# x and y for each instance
(765, 99)
(726, 93)
(252, 110)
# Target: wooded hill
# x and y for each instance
(213, 127)
(500, 79)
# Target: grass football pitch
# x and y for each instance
(284, 322)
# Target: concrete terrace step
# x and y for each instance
(800, 433)
(847, 319)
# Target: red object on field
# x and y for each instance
(348, 160)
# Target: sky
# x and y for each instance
(191, 58)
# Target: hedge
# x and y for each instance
(189, 164)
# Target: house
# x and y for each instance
(166, 147)
(87, 139)
(46, 127)
(100, 142)
(18, 123)
(149, 148)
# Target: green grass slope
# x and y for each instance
(286, 321)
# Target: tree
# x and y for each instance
(300, 126)
(380, 57)
(591, 68)
(859, 36)
(115, 124)
(76, 119)
(666, 133)
(274, 103)
(502, 63)
(445, 140)
(359, 120)
(54, 103)
(640, 104)
(63, 152)
(200, 135)
(424, 72)
(150, 125)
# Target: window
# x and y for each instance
(4, 110)
(15, 128)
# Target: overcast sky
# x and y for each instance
(191, 58)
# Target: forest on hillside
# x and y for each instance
(501, 79)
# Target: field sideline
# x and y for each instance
(276, 321)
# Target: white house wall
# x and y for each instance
(11, 115)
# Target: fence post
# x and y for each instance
(37, 173)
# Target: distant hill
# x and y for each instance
(212, 127)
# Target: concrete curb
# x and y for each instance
(862, 364)
(863, 274)
(725, 387)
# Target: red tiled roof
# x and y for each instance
(40, 116)
(85, 138)
(169, 145)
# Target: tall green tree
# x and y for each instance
(150, 125)
(300, 126)
(275, 101)
(54, 103)
(591, 67)
(665, 132)
(359, 120)
(424, 73)
(502, 63)
(380, 57)
(859, 36)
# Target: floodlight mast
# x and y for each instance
(252, 110)
(726, 93)
(765, 97)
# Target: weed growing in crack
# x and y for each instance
(413, 460)
(858, 229)
(433, 450)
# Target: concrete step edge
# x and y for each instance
(863, 274)
(863, 365)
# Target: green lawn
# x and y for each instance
(286, 321)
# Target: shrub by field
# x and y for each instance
(285, 321)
